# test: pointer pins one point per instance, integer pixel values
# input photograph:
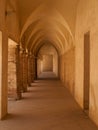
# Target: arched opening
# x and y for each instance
(47, 62)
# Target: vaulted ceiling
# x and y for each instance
(47, 21)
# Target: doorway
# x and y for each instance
(86, 70)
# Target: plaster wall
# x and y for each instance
(47, 62)
(2, 16)
(12, 20)
(67, 69)
(87, 20)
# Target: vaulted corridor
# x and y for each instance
(48, 64)
(47, 105)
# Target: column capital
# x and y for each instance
(30, 55)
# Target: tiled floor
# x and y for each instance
(47, 106)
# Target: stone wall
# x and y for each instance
(12, 19)
(39, 66)
(12, 81)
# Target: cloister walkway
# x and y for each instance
(47, 105)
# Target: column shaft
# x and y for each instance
(25, 72)
(19, 73)
(32, 69)
(3, 74)
(29, 70)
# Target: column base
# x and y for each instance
(19, 96)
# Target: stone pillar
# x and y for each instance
(18, 73)
(35, 68)
(3, 61)
(21, 69)
(25, 70)
(29, 69)
(3, 74)
(12, 72)
(32, 68)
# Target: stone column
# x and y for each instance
(29, 69)
(3, 74)
(25, 83)
(3, 61)
(18, 73)
(21, 69)
(35, 67)
(32, 68)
